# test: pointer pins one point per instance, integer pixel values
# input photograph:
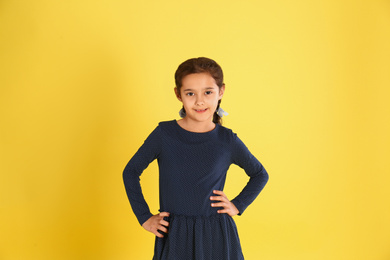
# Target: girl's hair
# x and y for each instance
(201, 65)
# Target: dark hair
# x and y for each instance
(201, 65)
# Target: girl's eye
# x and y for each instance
(190, 94)
(208, 92)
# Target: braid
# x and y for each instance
(216, 118)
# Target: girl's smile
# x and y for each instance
(201, 111)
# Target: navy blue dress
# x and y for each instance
(192, 165)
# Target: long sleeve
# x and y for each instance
(149, 151)
(242, 157)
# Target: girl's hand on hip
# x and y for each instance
(228, 206)
(156, 223)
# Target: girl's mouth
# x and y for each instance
(201, 110)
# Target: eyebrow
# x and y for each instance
(188, 89)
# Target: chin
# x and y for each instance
(203, 118)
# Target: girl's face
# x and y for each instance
(199, 94)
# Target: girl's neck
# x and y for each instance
(195, 126)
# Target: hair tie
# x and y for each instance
(182, 113)
(221, 112)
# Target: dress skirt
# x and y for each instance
(199, 238)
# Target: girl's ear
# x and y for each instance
(221, 91)
(177, 93)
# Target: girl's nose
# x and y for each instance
(199, 101)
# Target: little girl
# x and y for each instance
(194, 154)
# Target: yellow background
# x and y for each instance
(82, 84)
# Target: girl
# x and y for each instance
(194, 154)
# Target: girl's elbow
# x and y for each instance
(266, 175)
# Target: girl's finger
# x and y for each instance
(163, 229)
(164, 214)
(223, 211)
(221, 193)
(158, 234)
(220, 198)
(164, 223)
(220, 204)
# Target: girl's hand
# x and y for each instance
(156, 223)
(228, 206)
